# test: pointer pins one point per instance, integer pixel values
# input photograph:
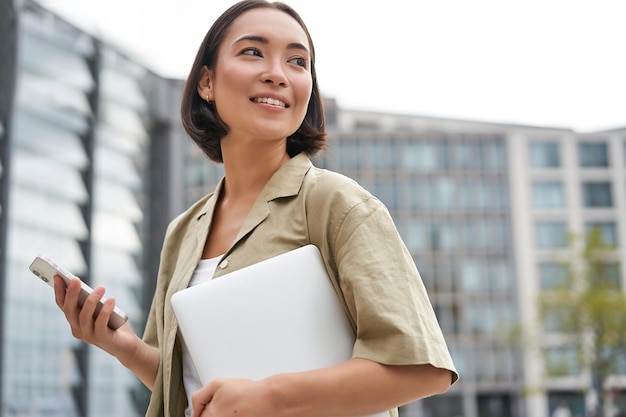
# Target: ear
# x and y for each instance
(205, 84)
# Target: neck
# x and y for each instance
(248, 169)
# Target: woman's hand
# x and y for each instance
(132, 352)
(233, 397)
(95, 331)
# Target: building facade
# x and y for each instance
(485, 208)
(84, 145)
(94, 164)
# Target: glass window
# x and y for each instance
(548, 194)
(122, 88)
(446, 270)
(47, 176)
(443, 406)
(499, 276)
(52, 93)
(420, 156)
(496, 234)
(386, 191)
(349, 155)
(417, 235)
(469, 155)
(447, 237)
(494, 405)
(473, 194)
(445, 192)
(608, 231)
(420, 195)
(562, 361)
(52, 61)
(544, 154)
(448, 317)
(496, 190)
(473, 276)
(458, 356)
(506, 364)
(593, 154)
(123, 119)
(381, 154)
(491, 316)
(597, 194)
(505, 318)
(475, 234)
(554, 318)
(552, 275)
(551, 235)
(115, 232)
(59, 215)
(572, 401)
(50, 140)
(115, 198)
(109, 137)
(26, 240)
(493, 156)
(116, 166)
(115, 265)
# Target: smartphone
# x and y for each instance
(45, 268)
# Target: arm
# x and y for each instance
(142, 359)
(356, 387)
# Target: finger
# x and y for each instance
(102, 319)
(200, 400)
(197, 409)
(70, 301)
(88, 310)
(59, 291)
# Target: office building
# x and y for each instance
(95, 163)
(82, 149)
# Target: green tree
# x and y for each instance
(588, 308)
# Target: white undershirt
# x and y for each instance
(203, 273)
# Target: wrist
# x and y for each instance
(129, 356)
(278, 395)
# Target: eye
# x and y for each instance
(302, 62)
(251, 52)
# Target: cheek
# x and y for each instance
(231, 77)
(303, 88)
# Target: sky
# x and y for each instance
(556, 63)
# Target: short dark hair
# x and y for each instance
(200, 118)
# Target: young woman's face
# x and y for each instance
(262, 82)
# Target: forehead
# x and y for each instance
(273, 24)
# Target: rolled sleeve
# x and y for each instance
(384, 292)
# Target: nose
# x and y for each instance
(275, 74)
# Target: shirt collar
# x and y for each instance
(285, 182)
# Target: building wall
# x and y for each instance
(95, 164)
(477, 206)
(80, 189)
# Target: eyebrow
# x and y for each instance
(261, 39)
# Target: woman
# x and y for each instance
(252, 102)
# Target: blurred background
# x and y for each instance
(502, 163)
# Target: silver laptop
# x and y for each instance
(279, 315)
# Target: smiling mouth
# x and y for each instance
(270, 101)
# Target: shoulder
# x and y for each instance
(337, 206)
(329, 190)
(329, 185)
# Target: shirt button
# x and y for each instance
(224, 264)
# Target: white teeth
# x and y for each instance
(269, 100)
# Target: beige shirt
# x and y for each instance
(371, 269)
